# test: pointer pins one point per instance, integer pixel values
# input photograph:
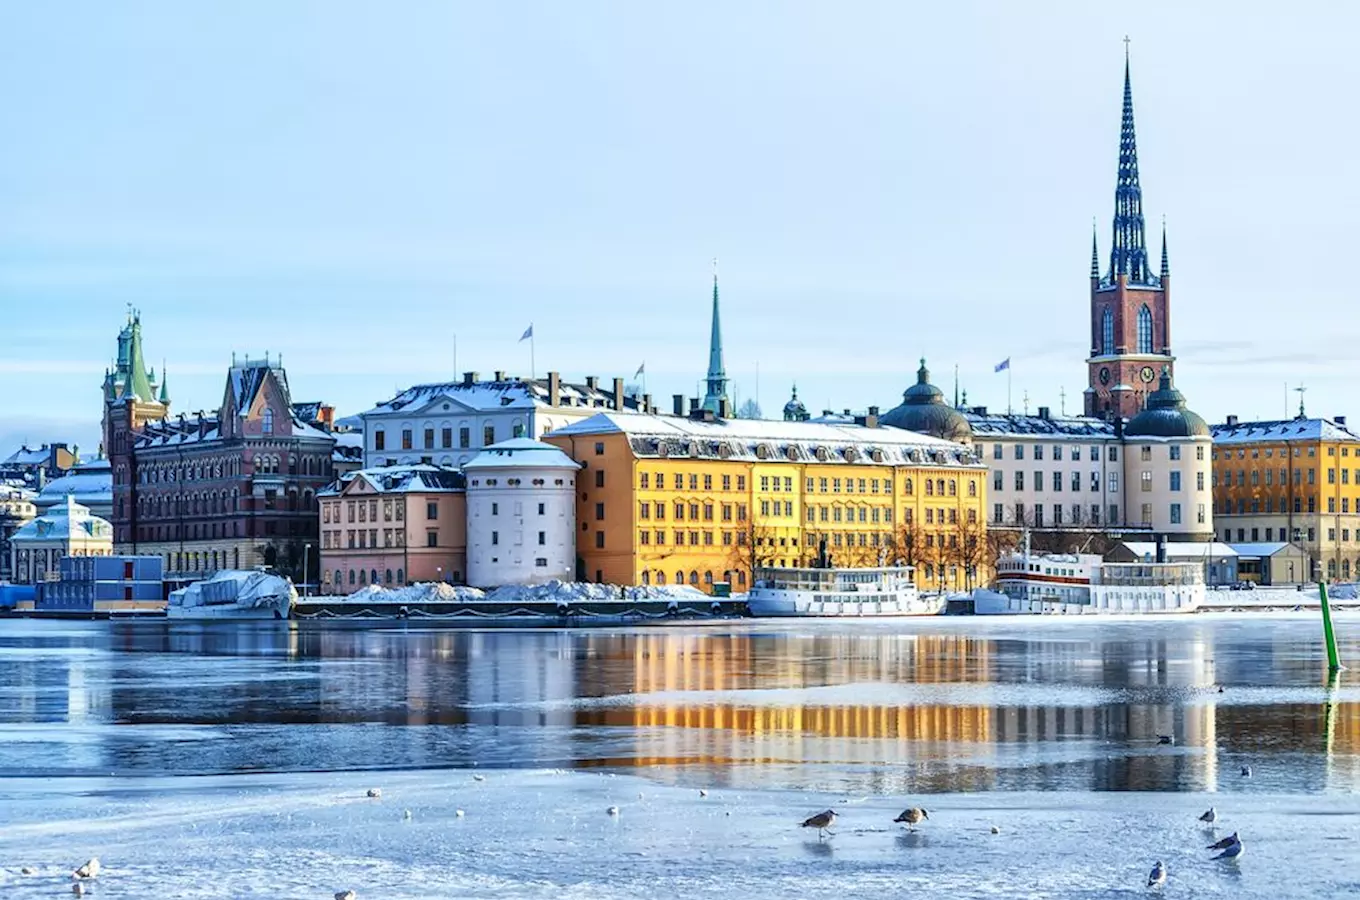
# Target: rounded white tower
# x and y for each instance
(521, 514)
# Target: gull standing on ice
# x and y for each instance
(1233, 850)
(1224, 844)
(1246, 771)
(479, 778)
(1210, 816)
(1157, 877)
(346, 895)
(912, 817)
(89, 870)
(613, 811)
(822, 822)
(374, 793)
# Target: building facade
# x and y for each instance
(1130, 303)
(393, 526)
(16, 510)
(34, 468)
(521, 514)
(1291, 481)
(448, 423)
(699, 500)
(227, 489)
(36, 549)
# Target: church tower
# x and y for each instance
(715, 391)
(131, 399)
(1130, 304)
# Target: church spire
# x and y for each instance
(1128, 255)
(1095, 252)
(1166, 263)
(165, 389)
(716, 379)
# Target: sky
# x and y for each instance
(391, 193)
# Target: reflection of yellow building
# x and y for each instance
(666, 500)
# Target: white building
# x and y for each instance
(36, 549)
(448, 423)
(521, 514)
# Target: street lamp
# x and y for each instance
(439, 573)
(306, 554)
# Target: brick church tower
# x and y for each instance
(1130, 305)
(132, 398)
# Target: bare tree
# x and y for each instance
(973, 551)
(755, 546)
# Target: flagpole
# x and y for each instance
(1008, 387)
(533, 367)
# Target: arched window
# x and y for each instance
(1144, 330)
(646, 576)
(679, 576)
(693, 577)
(267, 421)
(911, 488)
(373, 576)
(1106, 333)
(351, 576)
(401, 576)
(708, 578)
(362, 576)
(660, 577)
(388, 576)
(339, 578)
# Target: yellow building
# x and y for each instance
(666, 499)
(1295, 480)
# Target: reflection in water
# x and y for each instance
(951, 706)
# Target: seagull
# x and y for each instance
(613, 810)
(28, 870)
(1220, 688)
(996, 830)
(1157, 877)
(1223, 844)
(479, 778)
(406, 814)
(346, 895)
(1166, 739)
(1246, 771)
(822, 822)
(703, 793)
(1233, 850)
(459, 813)
(912, 817)
(89, 870)
(1210, 816)
(374, 793)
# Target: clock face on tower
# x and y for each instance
(1104, 374)
(1147, 374)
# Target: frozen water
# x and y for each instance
(233, 759)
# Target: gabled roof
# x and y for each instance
(485, 396)
(409, 479)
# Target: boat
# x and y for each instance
(234, 594)
(1081, 584)
(839, 593)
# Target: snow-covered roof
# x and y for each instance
(510, 393)
(1260, 548)
(407, 479)
(996, 425)
(202, 428)
(1297, 429)
(1182, 549)
(67, 521)
(26, 456)
(521, 453)
(774, 441)
(91, 486)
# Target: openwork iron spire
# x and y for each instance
(1128, 255)
(1095, 252)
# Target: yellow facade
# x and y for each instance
(690, 513)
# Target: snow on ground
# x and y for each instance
(548, 592)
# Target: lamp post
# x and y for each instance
(438, 573)
(306, 554)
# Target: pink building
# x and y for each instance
(393, 526)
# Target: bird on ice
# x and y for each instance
(479, 778)
(374, 793)
(1157, 877)
(28, 870)
(912, 817)
(703, 793)
(1166, 739)
(1210, 816)
(89, 870)
(1246, 771)
(1233, 850)
(459, 813)
(1225, 843)
(346, 895)
(613, 811)
(822, 822)
(406, 814)
(996, 830)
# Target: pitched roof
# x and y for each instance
(421, 478)
(1008, 425)
(1296, 429)
(513, 393)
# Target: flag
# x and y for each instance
(1003, 365)
(641, 370)
(528, 333)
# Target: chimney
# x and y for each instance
(1340, 420)
(554, 388)
(978, 410)
(1161, 548)
(693, 404)
(678, 404)
(618, 394)
(1232, 421)
(847, 411)
(724, 408)
(500, 375)
(701, 414)
(1043, 412)
(647, 403)
(871, 419)
(469, 379)
(593, 382)
(1119, 426)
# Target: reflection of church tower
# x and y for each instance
(131, 399)
(1130, 304)
(715, 394)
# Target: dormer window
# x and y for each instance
(267, 421)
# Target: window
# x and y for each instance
(1113, 483)
(488, 435)
(1113, 454)
(996, 451)
(1147, 513)
(1176, 480)
(1199, 481)
(432, 539)
(267, 421)
(406, 439)
(1145, 454)
(429, 438)
(495, 509)
(1199, 517)
(1107, 333)
(464, 437)
(599, 478)
(446, 438)
(1199, 453)
(1019, 451)
(599, 448)
(997, 480)
(1019, 480)
(1176, 514)
(1038, 451)
(379, 440)
(1144, 329)
(1175, 451)
(1095, 481)
(1057, 481)
(495, 538)
(432, 510)
(599, 512)
(599, 540)
(727, 482)
(1076, 481)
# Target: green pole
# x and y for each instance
(1333, 660)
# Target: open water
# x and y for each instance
(232, 760)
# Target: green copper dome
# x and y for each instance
(924, 411)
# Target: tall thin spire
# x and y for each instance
(1166, 262)
(1128, 254)
(1095, 251)
(717, 374)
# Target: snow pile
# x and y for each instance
(556, 592)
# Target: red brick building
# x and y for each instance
(231, 488)
(1130, 304)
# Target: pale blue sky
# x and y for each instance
(352, 183)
